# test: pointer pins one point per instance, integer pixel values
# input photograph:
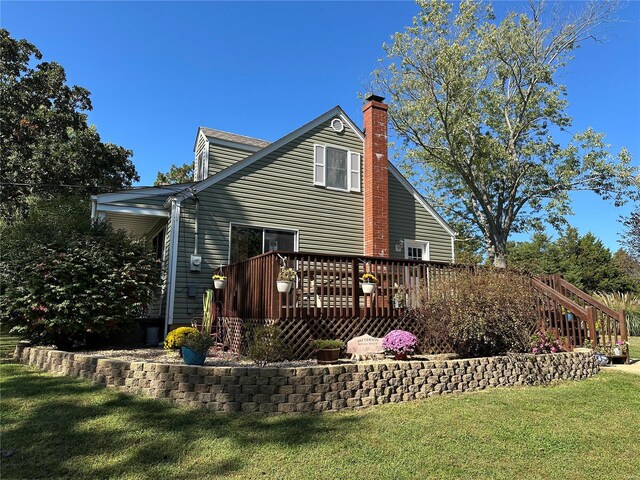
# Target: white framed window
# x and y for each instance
(336, 168)
(416, 250)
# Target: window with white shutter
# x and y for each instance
(336, 168)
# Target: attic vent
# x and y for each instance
(337, 125)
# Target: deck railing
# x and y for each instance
(605, 325)
(327, 286)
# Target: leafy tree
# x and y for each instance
(583, 261)
(478, 107)
(538, 256)
(66, 282)
(630, 268)
(176, 174)
(469, 247)
(47, 146)
(631, 236)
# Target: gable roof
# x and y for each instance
(264, 148)
(220, 136)
(335, 111)
(221, 175)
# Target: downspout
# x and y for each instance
(173, 263)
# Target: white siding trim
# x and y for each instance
(173, 262)
(264, 152)
(317, 164)
(426, 248)
(205, 169)
(198, 134)
(139, 193)
(353, 127)
(453, 250)
(153, 212)
(420, 200)
(357, 170)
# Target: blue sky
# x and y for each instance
(158, 70)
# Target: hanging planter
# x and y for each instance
(219, 282)
(286, 277)
(368, 288)
(369, 283)
(284, 286)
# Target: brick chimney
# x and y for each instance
(376, 172)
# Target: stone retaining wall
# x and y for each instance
(321, 388)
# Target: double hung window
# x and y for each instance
(336, 168)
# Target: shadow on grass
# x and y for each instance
(66, 427)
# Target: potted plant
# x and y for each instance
(369, 282)
(400, 343)
(620, 348)
(195, 348)
(327, 351)
(176, 338)
(286, 277)
(219, 282)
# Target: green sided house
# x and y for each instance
(326, 188)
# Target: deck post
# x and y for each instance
(591, 319)
(355, 289)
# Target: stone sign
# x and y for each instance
(364, 345)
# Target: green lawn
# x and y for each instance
(59, 427)
(634, 347)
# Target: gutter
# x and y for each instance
(172, 263)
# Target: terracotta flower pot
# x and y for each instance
(400, 356)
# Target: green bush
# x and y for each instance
(88, 286)
(484, 314)
(267, 345)
(176, 338)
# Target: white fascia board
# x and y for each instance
(238, 145)
(261, 153)
(173, 262)
(153, 212)
(396, 173)
(353, 126)
(135, 193)
(453, 250)
(200, 132)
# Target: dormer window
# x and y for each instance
(336, 168)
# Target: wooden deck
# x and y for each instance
(327, 301)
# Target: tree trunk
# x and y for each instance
(500, 252)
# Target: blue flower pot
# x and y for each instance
(193, 358)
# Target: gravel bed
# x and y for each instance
(223, 359)
(215, 358)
